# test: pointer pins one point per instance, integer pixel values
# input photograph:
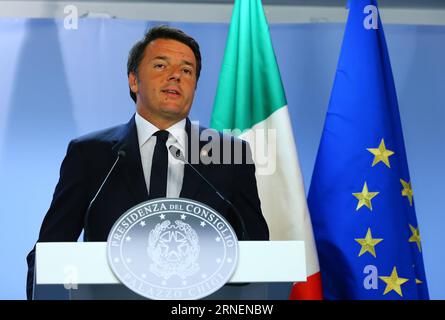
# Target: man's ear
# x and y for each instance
(133, 83)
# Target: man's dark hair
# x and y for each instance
(161, 32)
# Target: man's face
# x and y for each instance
(166, 82)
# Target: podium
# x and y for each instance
(80, 270)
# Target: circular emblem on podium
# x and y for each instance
(172, 249)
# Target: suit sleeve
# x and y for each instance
(65, 217)
(246, 197)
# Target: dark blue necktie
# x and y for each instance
(159, 167)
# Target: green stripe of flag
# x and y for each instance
(250, 87)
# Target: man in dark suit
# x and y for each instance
(163, 70)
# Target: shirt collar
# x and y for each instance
(146, 129)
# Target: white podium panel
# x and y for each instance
(86, 262)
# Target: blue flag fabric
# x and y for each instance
(360, 198)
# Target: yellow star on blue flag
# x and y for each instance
(364, 197)
(407, 191)
(393, 282)
(368, 243)
(415, 237)
(381, 154)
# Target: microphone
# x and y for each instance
(120, 154)
(177, 154)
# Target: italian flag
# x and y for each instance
(250, 97)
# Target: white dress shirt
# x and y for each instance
(177, 137)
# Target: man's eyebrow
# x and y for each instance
(186, 62)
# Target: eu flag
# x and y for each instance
(361, 199)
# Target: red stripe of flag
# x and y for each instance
(309, 290)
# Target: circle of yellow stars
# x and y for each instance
(368, 243)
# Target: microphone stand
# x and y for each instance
(86, 234)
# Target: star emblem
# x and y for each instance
(415, 237)
(393, 282)
(202, 224)
(183, 216)
(162, 216)
(368, 243)
(381, 154)
(407, 191)
(142, 223)
(128, 238)
(364, 197)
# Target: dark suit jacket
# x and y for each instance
(88, 161)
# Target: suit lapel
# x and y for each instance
(132, 164)
(191, 182)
